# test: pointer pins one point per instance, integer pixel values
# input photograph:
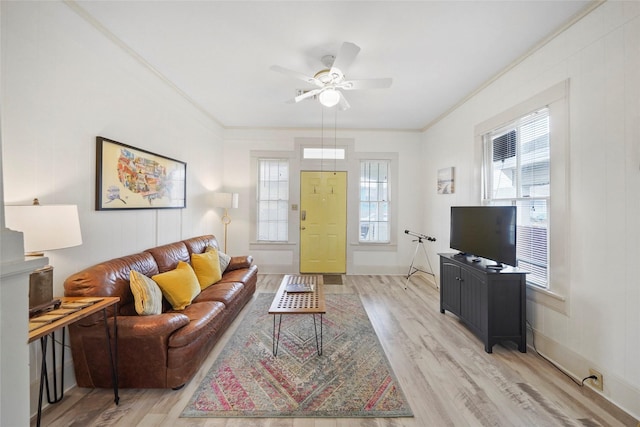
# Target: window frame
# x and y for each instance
(513, 132)
(378, 201)
(256, 156)
(556, 98)
(261, 183)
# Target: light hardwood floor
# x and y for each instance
(441, 366)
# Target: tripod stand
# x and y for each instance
(412, 270)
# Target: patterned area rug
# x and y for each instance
(352, 378)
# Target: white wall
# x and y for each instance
(600, 55)
(63, 84)
(361, 259)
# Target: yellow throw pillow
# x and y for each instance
(179, 286)
(207, 267)
(146, 294)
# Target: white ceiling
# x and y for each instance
(437, 52)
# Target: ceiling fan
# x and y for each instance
(331, 81)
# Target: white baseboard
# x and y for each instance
(616, 390)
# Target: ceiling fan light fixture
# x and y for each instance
(330, 82)
(329, 97)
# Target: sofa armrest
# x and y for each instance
(158, 325)
(238, 262)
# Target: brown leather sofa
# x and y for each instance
(156, 351)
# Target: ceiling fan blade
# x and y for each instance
(297, 75)
(366, 84)
(345, 57)
(344, 105)
(308, 94)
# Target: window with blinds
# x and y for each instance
(374, 201)
(516, 172)
(273, 200)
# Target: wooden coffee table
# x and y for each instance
(298, 303)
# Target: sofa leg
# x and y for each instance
(178, 388)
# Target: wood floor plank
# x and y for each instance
(442, 367)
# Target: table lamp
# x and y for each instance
(45, 228)
(226, 201)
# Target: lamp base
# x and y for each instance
(41, 291)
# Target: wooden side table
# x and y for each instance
(298, 303)
(49, 330)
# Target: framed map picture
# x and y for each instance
(131, 178)
(445, 181)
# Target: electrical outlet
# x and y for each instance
(597, 383)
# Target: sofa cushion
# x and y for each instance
(204, 318)
(206, 267)
(239, 262)
(168, 256)
(241, 275)
(197, 245)
(179, 286)
(223, 292)
(146, 294)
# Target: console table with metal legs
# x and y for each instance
(49, 330)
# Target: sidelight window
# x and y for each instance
(374, 201)
(273, 200)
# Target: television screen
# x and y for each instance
(485, 231)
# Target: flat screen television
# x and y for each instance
(486, 232)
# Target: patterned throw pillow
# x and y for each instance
(179, 286)
(224, 258)
(207, 268)
(224, 261)
(146, 294)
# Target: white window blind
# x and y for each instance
(517, 173)
(374, 201)
(273, 200)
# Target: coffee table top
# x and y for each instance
(299, 302)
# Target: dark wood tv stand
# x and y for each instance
(492, 303)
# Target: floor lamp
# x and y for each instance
(226, 201)
(45, 228)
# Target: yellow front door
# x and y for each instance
(323, 222)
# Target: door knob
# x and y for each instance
(303, 228)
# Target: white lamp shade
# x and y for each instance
(225, 200)
(45, 227)
(329, 97)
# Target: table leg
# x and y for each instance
(57, 397)
(276, 338)
(321, 343)
(43, 373)
(315, 328)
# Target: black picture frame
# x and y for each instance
(132, 178)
